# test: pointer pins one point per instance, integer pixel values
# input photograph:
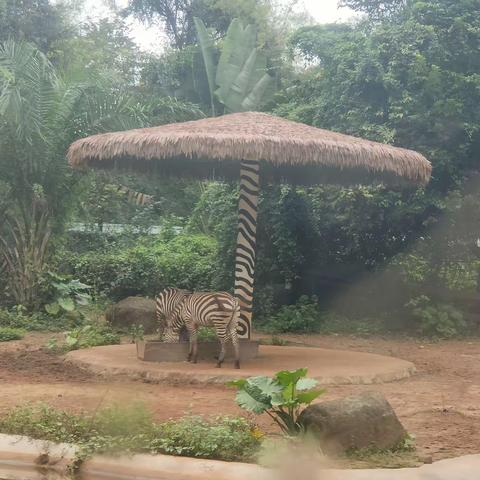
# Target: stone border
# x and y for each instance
(22, 458)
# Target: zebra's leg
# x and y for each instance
(194, 344)
(236, 346)
(221, 357)
(191, 335)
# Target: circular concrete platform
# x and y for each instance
(329, 367)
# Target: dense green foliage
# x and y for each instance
(186, 261)
(132, 429)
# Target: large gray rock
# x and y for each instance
(355, 422)
(134, 311)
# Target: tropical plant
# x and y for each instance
(39, 117)
(281, 397)
(68, 295)
(239, 79)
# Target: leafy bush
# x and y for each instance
(281, 397)
(185, 261)
(18, 317)
(68, 295)
(226, 438)
(86, 336)
(7, 334)
(440, 320)
(131, 428)
(303, 317)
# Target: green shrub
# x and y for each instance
(18, 317)
(184, 261)
(119, 428)
(437, 320)
(226, 438)
(86, 336)
(7, 334)
(303, 317)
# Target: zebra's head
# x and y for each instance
(169, 303)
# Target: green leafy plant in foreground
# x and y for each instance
(131, 428)
(281, 397)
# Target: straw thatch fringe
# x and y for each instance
(251, 136)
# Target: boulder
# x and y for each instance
(134, 311)
(355, 422)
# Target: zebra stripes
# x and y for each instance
(218, 309)
(132, 196)
(246, 243)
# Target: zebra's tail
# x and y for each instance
(235, 315)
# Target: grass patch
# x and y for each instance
(401, 456)
(132, 429)
(8, 333)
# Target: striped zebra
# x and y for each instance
(137, 198)
(218, 309)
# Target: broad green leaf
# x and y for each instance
(240, 85)
(207, 47)
(309, 397)
(250, 403)
(285, 377)
(268, 386)
(256, 97)
(306, 384)
(231, 50)
(52, 308)
(67, 304)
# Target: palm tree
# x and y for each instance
(40, 115)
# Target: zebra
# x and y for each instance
(136, 198)
(218, 309)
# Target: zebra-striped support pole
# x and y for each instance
(246, 243)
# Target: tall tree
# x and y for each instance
(39, 116)
(41, 22)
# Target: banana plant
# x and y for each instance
(239, 79)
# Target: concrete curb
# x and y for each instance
(22, 458)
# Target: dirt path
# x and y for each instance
(440, 405)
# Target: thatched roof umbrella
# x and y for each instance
(249, 145)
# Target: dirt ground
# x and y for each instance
(440, 405)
